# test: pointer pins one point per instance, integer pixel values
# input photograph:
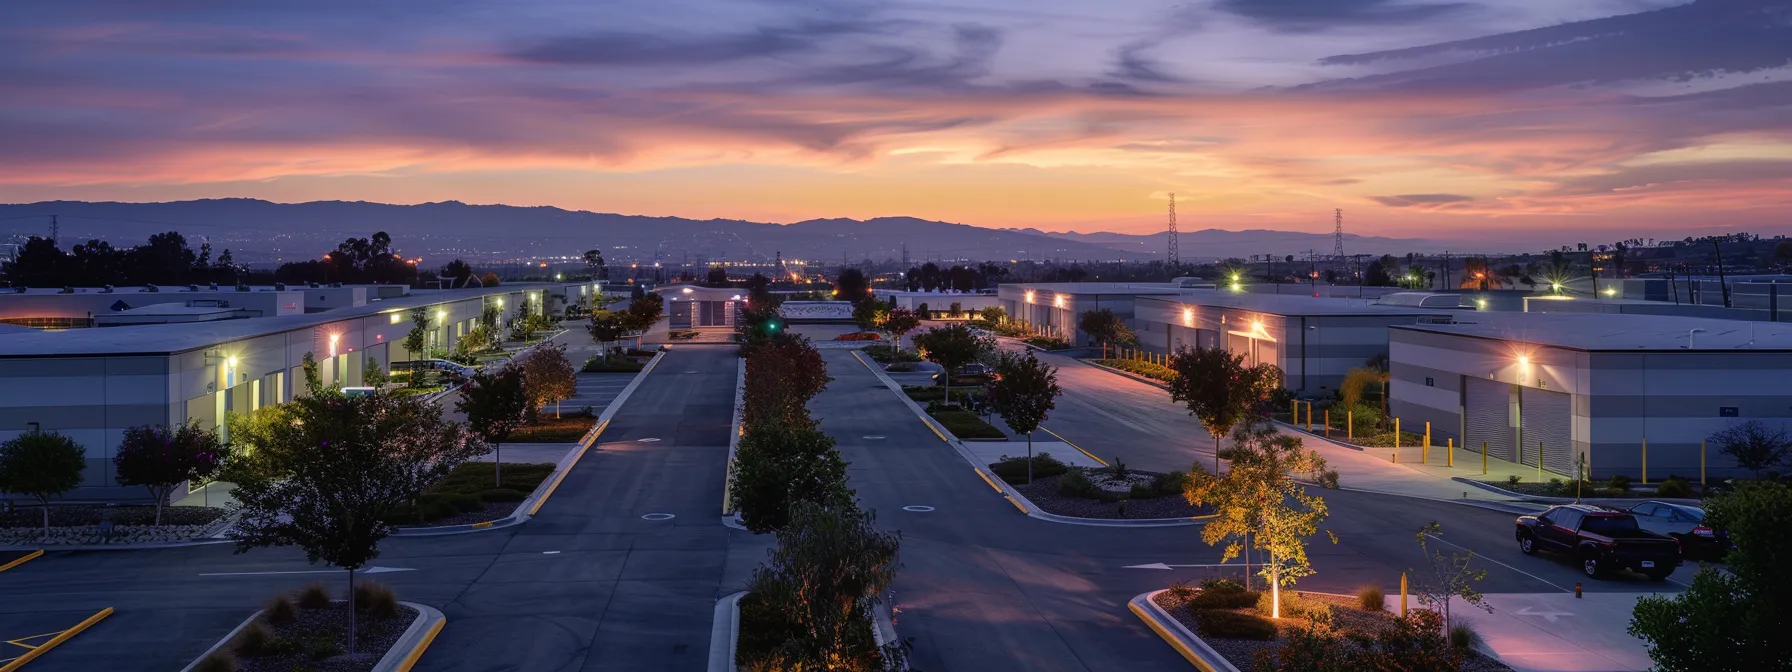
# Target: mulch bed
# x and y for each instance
(568, 428)
(1043, 492)
(315, 629)
(1345, 616)
(491, 511)
(25, 514)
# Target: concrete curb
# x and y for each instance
(1341, 442)
(121, 547)
(415, 640)
(1186, 643)
(403, 654)
(526, 509)
(724, 633)
(734, 435)
(1013, 496)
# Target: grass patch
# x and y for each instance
(887, 354)
(924, 394)
(469, 488)
(569, 427)
(966, 425)
(611, 364)
(1047, 343)
(418, 391)
(1014, 469)
(1133, 366)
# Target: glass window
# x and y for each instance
(1649, 509)
(1568, 518)
(1609, 525)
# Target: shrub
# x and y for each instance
(1555, 486)
(1620, 483)
(1222, 586)
(376, 600)
(253, 640)
(1014, 469)
(1076, 483)
(1182, 591)
(219, 661)
(1293, 605)
(314, 596)
(1170, 484)
(1462, 637)
(1513, 479)
(1674, 487)
(320, 648)
(279, 610)
(1207, 599)
(1371, 598)
(1141, 491)
(503, 495)
(1234, 625)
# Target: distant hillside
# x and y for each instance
(300, 230)
(1208, 244)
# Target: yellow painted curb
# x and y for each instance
(563, 472)
(924, 419)
(481, 525)
(1016, 503)
(56, 641)
(417, 653)
(985, 477)
(1077, 447)
(28, 558)
(1175, 643)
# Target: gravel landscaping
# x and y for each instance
(314, 640)
(1346, 617)
(1043, 492)
(79, 524)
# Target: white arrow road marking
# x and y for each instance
(1547, 615)
(1159, 565)
(364, 570)
(648, 440)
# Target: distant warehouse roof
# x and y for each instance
(1288, 304)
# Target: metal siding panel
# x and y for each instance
(1547, 419)
(1488, 418)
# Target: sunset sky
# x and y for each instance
(1468, 119)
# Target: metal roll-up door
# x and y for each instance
(1487, 404)
(1241, 346)
(1546, 418)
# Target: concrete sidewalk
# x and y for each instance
(1554, 632)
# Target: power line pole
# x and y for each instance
(1175, 257)
(1340, 265)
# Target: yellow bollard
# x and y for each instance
(1483, 458)
(1309, 416)
(1403, 593)
(1294, 411)
(1450, 453)
(1328, 423)
(1645, 460)
(1396, 433)
(1701, 462)
(1350, 425)
(1425, 452)
(1539, 461)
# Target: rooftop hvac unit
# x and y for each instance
(151, 289)
(106, 290)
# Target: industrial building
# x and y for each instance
(92, 384)
(939, 302)
(1619, 390)
(1314, 341)
(1057, 308)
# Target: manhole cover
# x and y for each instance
(658, 516)
(917, 508)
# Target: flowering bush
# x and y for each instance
(860, 336)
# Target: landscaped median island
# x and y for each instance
(308, 630)
(471, 494)
(1618, 486)
(87, 524)
(567, 428)
(962, 423)
(612, 364)
(1139, 367)
(1317, 632)
(1114, 492)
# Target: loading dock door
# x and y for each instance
(1547, 419)
(1487, 407)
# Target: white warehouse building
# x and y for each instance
(1619, 390)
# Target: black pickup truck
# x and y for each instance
(1601, 539)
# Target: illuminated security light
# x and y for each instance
(1256, 326)
(1524, 361)
(1555, 286)
(687, 290)
(1611, 291)
(1481, 302)
(1029, 296)
(1188, 315)
(441, 315)
(500, 302)
(1058, 301)
(736, 297)
(559, 276)
(233, 361)
(1237, 287)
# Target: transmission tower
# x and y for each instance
(1340, 263)
(1174, 258)
(55, 230)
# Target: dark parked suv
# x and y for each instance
(1601, 539)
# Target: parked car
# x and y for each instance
(1685, 524)
(1602, 540)
(969, 374)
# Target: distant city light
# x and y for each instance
(1611, 291)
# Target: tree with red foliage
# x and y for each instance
(783, 374)
(159, 457)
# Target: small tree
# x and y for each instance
(782, 375)
(548, 376)
(495, 405)
(606, 327)
(344, 466)
(372, 374)
(852, 286)
(778, 466)
(1024, 393)
(956, 308)
(1447, 576)
(1106, 327)
(868, 315)
(41, 465)
(1755, 446)
(829, 570)
(1259, 503)
(1216, 387)
(314, 380)
(952, 346)
(159, 457)
(249, 434)
(995, 314)
(899, 322)
(417, 340)
(1731, 619)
